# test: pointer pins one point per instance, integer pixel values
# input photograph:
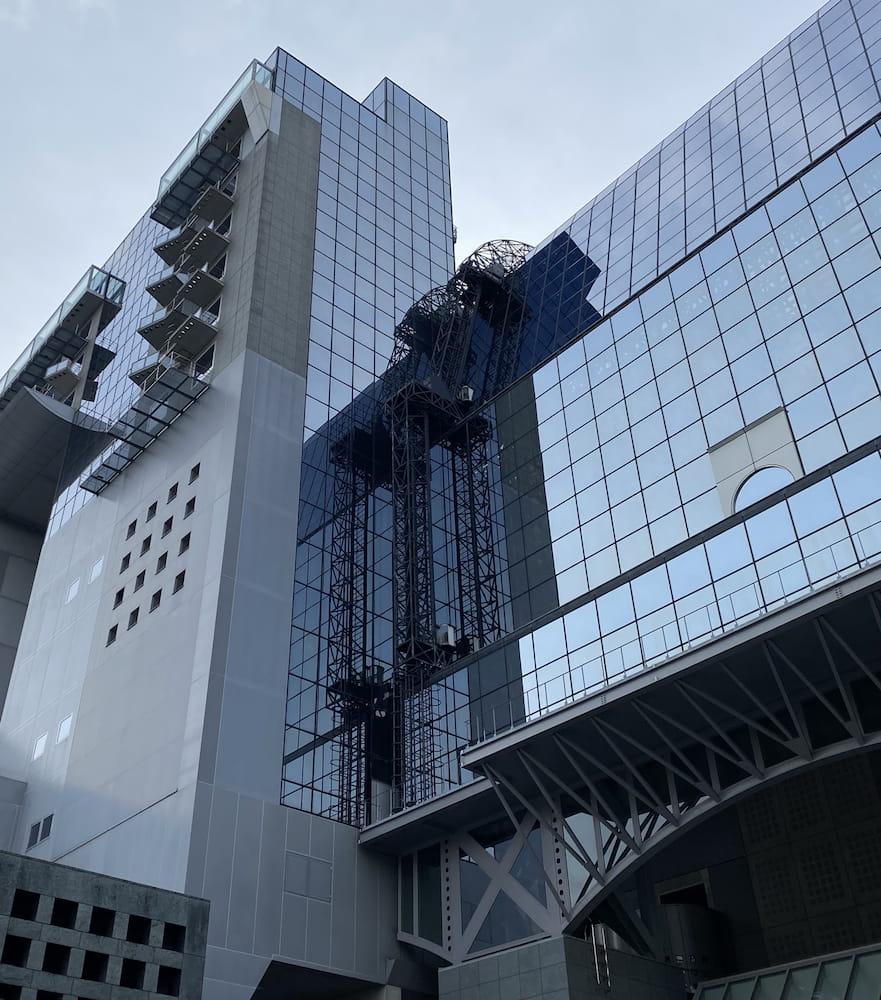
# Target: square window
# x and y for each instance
(111, 635)
(173, 937)
(101, 921)
(139, 579)
(151, 511)
(145, 545)
(178, 581)
(161, 562)
(25, 904)
(118, 597)
(133, 619)
(194, 472)
(63, 910)
(15, 950)
(132, 528)
(190, 507)
(167, 526)
(168, 981)
(172, 493)
(40, 746)
(95, 967)
(64, 728)
(184, 544)
(155, 600)
(138, 930)
(126, 562)
(132, 974)
(56, 958)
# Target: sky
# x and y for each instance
(547, 103)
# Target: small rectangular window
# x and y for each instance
(194, 472)
(184, 544)
(178, 581)
(155, 600)
(101, 921)
(145, 545)
(172, 493)
(133, 619)
(167, 526)
(45, 830)
(64, 911)
(33, 835)
(190, 507)
(132, 528)
(40, 746)
(118, 597)
(64, 728)
(96, 570)
(161, 562)
(72, 591)
(139, 579)
(95, 967)
(111, 635)
(25, 905)
(126, 562)
(151, 511)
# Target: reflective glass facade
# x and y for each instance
(717, 318)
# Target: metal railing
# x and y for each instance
(680, 635)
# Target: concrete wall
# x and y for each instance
(19, 552)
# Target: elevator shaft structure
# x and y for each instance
(455, 347)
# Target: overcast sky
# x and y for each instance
(547, 103)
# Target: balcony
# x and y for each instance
(206, 159)
(65, 333)
(169, 393)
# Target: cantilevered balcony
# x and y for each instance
(169, 393)
(214, 204)
(201, 288)
(65, 334)
(171, 249)
(207, 157)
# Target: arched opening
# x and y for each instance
(761, 484)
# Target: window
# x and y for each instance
(173, 937)
(133, 619)
(39, 831)
(184, 544)
(15, 950)
(111, 635)
(172, 493)
(132, 974)
(64, 728)
(72, 591)
(101, 921)
(46, 827)
(205, 363)
(40, 746)
(178, 581)
(194, 472)
(132, 528)
(138, 930)
(95, 572)
(161, 562)
(126, 562)
(761, 484)
(33, 835)
(155, 600)
(63, 910)
(56, 958)
(151, 511)
(95, 967)
(145, 545)
(118, 597)
(190, 507)
(168, 981)
(139, 579)
(25, 904)
(167, 526)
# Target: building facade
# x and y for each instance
(548, 583)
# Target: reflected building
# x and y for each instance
(547, 584)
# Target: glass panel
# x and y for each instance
(761, 484)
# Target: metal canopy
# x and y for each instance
(209, 165)
(44, 445)
(156, 410)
